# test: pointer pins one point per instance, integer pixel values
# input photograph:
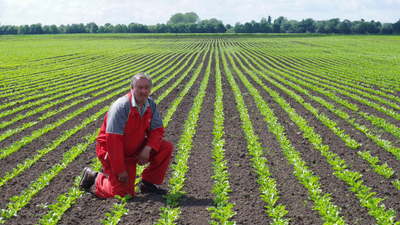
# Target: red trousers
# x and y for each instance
(109, 186)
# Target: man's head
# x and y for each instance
(141, 86)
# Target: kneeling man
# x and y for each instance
(132, 133)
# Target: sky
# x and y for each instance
(151, 12)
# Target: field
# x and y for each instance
(267, 129)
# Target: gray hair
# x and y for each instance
(141, 75)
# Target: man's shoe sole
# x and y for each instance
(84, 175)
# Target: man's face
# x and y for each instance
(141, 91)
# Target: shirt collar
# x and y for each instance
(144, 107)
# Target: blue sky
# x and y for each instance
(151, 12)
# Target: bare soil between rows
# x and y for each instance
(248, 205)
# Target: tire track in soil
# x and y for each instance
(143, 209)
(244, 186)
(330, 184)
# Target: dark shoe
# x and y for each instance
(147, 187)
(88, 178)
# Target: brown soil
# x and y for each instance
(249, 207)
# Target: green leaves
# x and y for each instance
(222, 209)
(17, 202)
(268, 187)
(171, 212)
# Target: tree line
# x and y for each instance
(191, 23)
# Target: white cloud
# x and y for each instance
(150, 12)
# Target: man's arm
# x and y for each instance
(115, 149)
(144, 155)
(156, 133)
(116, 120)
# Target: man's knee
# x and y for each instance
(167, 146)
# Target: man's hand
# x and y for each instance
(123, 177)
(144, 155)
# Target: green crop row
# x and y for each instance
(222, 211)
(65, 201)
(17, 202)
(171, 212)
(382, 215)
(387, 172)
(67, 134)
(323, 204)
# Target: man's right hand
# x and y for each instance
(123, 177)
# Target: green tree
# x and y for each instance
(265, 28)
(36, 28)
(220, 28)
(161, 28)
(256, 28)
(371, 28)
(361, 28)
(320, 27)
(280, 20)
(54, 29)
(190, 17)
(331, 25)
(344, 28)
(118, 28)
(69, 29)
(308, 25)
(46, 29)
(209, 28)
(91, 27)
(191, 28)
(10, 29)
(263, 20)
(108, 28)
(101, 29)
(238, 28)
(80, 28)
(181, 28)
(387, 28)
(276, 28)
(200, 28)
(61, 29)
(396, 27)
(176, 18)
(248, 28)
(24, 29)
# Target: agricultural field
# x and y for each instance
(267, 129)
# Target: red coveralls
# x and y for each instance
(122, 137)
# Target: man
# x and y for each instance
(132, 133)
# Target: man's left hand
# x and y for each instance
(144, 156)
